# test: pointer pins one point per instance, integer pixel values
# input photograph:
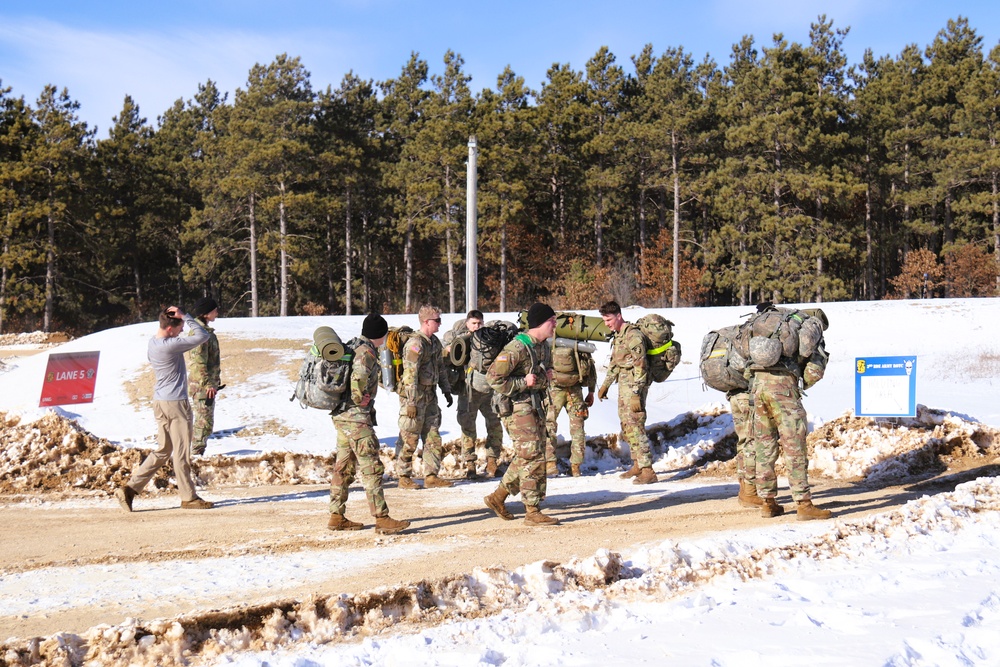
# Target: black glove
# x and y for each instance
(448, 399)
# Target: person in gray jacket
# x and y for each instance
(172, 410)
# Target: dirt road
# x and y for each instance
(452, 533)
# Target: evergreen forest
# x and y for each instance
(784, 173)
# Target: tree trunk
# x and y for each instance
(50, 274)
(447, 240)
(869, 289)
(254, 296)
(348, 254)
(3, 285)
(503, 268)
(996, 218)
(283, 249)
(408, 266)
(599, 228)
(819, 256)
(676, 270)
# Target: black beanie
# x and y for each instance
(203, 306)
(374, 327)
(538, 314)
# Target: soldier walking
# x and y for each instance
(204, 376)
(357, 445)
(628, 368)
(746, 447)
(520, 376)
(171, 409)
(572, 370)
(475, 398)
(419, 413)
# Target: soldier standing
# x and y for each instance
(572, 370)
(204, 379)
(628, 368)
(520, 376)
(357, 445)
(419, 413)
(746, 448)
(474, 398)
(779, 424)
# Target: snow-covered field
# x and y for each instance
(917, 585)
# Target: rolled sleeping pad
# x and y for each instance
(388, 371)
(578, 345)
(328, 343)
(575, 326)
(459, 354)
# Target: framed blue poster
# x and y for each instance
(885, 386)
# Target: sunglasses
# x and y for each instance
(435, 319)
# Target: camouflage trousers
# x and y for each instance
(570, 399)
(634, 425)
(472, 403)
(779, 422)
(204, 418)
(746, 449)
(526, 473)
(357, 451)
(425, 426)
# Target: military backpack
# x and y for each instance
(392, 352)
(662, 352)
(721, 364)
(773, 334)
(325, 385)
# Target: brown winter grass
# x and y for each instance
(984, 366)
(242, 359)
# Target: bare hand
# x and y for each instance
(529, 380)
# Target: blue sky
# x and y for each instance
(158, 52)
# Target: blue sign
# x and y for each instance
(885, 386)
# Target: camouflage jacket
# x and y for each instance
(628, 358)
(519, 358)
(365, 371)
(423, 368)
(204, 361)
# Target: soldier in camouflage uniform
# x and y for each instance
(520, 376)
(566, 392)
(746, 448)
(357, 445)
(419, 414)
(472, 401)
(204, 382)
(628, 368)
(779, 423)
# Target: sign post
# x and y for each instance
(885, 386)
(69, 378)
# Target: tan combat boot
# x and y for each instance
(491, 466)
(806, 511)
(340, 522)
(645, 476)
(631, 472)
(534, 517)
(748, 495)
(433, 481)
(551, 469)
(408, 483)
(574, 469)
(386, 525)
(125, 496)
(470, 470)
(495, 502)
(770, 508)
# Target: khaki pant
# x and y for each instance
(173, 435)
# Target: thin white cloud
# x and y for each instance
(100, 67)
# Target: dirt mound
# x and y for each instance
(34, 338)
(883, 450)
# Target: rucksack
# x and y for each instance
(721, 365)
(325, 385)
(777, 333)
(572, 363)
(662, 352)
(487, 341)
(574, 326)
(395, 340)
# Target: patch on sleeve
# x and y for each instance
(415, 348)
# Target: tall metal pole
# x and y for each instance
(471, 267)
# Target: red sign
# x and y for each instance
(69, 378)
